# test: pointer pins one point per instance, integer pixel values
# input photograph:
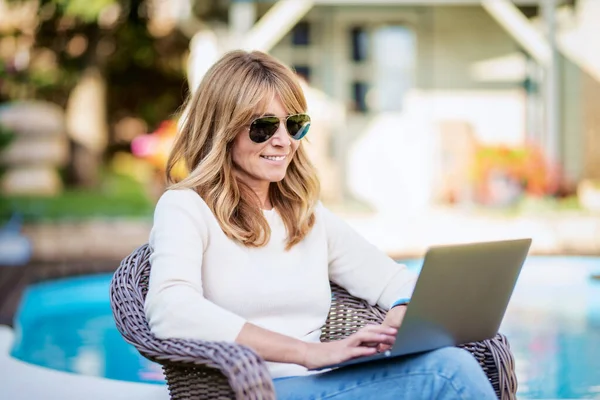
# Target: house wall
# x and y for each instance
(572, 141)
(591, 128)
(451, 40)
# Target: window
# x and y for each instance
(359, 95)
(393, 59)
(359, 39)
(301, 34)
(303, 71)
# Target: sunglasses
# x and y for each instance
(263, 128)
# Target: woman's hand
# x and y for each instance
(362, 343)
(393, 319)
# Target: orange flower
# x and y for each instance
(525, 165)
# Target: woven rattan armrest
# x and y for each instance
(246, 373)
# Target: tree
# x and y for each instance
(100, 61)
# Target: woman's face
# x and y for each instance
(259, 164)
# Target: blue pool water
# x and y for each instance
(553, 324)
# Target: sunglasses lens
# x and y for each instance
(297, 125)
(262, 129)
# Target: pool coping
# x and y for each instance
(17, 377)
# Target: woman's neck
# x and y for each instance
(260, 189)
(265, 200)
(262, 195)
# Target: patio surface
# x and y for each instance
(24, 381)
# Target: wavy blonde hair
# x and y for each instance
(236, 88)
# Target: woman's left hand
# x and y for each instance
(393, 319)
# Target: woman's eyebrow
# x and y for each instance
(268, 114)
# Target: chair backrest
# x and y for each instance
(348, 314)
(128, 290)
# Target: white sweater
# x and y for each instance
(205, 286)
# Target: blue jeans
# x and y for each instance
(447, 373)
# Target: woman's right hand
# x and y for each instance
(362, 343)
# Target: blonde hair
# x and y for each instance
(236, 88)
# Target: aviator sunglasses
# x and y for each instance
(263, 128)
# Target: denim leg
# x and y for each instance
(447, 373)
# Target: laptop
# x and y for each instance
(461, 296)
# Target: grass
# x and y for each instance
(117, 196)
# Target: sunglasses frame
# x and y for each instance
(304, 129)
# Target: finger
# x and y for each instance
(362, 351)
(362, 338)
(385, 329)
(368, 337)
(370, 344)
(376, 327)
(383, 347)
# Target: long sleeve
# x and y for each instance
(361, 268)
(175, 305)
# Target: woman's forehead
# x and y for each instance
(271, 104)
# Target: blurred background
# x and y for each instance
(434, 121)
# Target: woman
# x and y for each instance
(243, 250)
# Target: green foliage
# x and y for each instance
(117, 196)
(144, 73)
(86, 10)
(6, 137)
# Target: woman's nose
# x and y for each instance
(281, 137)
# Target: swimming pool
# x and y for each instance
(553, 324)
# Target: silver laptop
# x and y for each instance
(461, 296)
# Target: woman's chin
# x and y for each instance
(273, 178)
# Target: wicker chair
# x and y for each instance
(196, 369)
